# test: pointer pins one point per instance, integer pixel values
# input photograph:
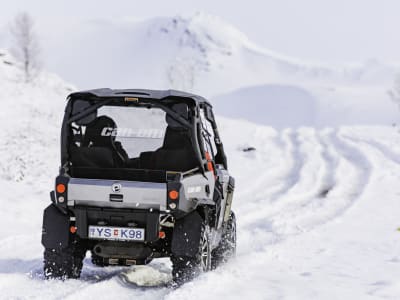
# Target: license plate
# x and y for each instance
(116, 233)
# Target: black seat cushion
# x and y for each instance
(174, 160)
(93, 157)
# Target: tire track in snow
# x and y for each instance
(290, 140)
(383, 149)
(313, 171)
(328, 181)
(259, 223)
(270, 191)
(289, 143)
(307, 178)
(360, 163)
(292, 212)
(323, 204)
(268, 175)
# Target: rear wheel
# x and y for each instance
(64, 263)
(227, 246)
(186, 268)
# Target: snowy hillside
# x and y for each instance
(317, 210)
(30, 115)
(206, 55)
(201, 53)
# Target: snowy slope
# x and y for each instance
(201, 53)
(30, 116)
(317, 209)
(206, 55)
(283, 106)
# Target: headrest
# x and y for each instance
(94, 132)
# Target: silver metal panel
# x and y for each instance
(94, 192)
(194, 188)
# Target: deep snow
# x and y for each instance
(317, 212)
(317, 208)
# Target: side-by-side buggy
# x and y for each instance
(143, 175)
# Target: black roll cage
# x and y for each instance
(193, 124)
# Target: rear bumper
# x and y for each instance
(147, 219)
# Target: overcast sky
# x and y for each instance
(320, 30)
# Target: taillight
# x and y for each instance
(173, 195)
(60, 188)
(61, 191)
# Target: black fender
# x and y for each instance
(55, 230)
(186, 235)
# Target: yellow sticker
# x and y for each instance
(131, 99)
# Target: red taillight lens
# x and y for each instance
(173, 195)
(60, 188)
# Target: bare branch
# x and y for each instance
(25, 44)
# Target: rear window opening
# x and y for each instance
(134, 137)
(136, 129)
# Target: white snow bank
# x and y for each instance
(283, 106)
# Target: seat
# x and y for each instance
(176, 153)
(99, 148)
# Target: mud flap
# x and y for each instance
(55, 230)
(186, 235)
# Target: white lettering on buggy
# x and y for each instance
(194, 189)
(133, 133)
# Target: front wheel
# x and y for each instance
(227, 246)
(186, 268)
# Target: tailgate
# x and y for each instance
(118, 194)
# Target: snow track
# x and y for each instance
(308, 218)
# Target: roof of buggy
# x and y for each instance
(140, 93)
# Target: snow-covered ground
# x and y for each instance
(317, 207)
(317, 212)
(285, 105)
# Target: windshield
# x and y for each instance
(131, 137)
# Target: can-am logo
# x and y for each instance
(133, 133)
(116, 187)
